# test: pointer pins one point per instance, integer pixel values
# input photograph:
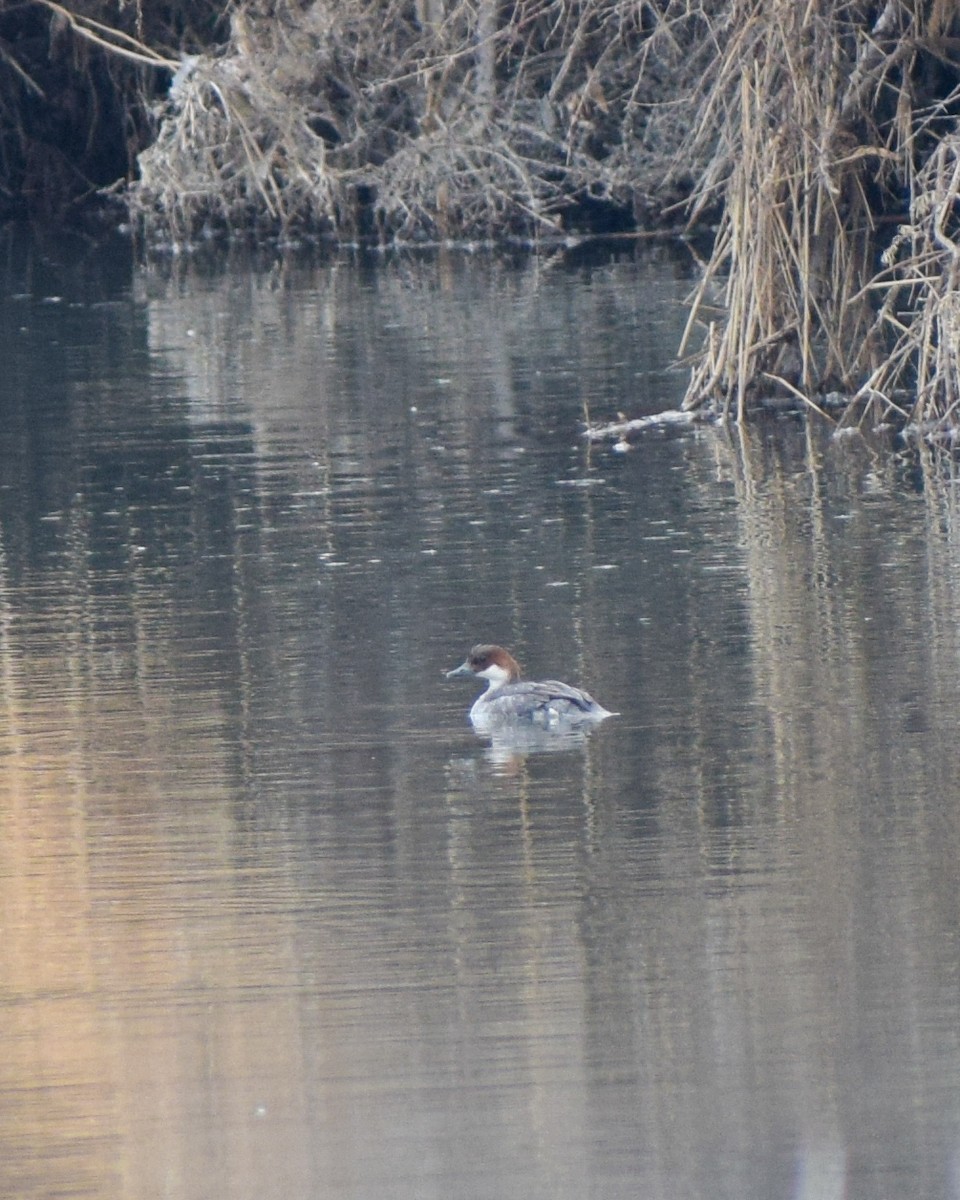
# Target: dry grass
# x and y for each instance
(464, 118)
(921, 303)
(823, 117)
(794, 247)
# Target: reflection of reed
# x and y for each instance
(423, 329)
(802, 630)
(854, 657)
(832, 585)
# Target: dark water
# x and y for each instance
(273, 923)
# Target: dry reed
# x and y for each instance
(823, 116)
(921, 304)
(442, 119)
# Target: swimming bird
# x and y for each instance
(512, 701)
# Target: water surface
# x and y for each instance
(275, 923)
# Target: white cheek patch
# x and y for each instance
(495, 674)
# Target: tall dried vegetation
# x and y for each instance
(434, 119)
(834, 145)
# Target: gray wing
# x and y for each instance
(544, 693)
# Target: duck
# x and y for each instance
(511, 701)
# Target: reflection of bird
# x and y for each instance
(510, 700)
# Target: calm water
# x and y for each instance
(275, 924)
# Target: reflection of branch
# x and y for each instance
(27, 80)
(107, 37)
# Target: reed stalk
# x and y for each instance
(822, 117)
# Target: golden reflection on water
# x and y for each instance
(136, 953)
